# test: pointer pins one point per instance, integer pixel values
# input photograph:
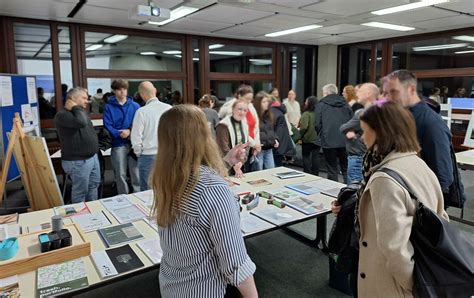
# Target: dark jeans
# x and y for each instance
(278, 159)
(332, 155)
(310, 154)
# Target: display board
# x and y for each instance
(461, 103)
(17, 95)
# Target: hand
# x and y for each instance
(124, 133)
(335, 207)
(257, 148)
(69, 104)
(238, 172)
(276, 144)
(237, 154)
(351, 135)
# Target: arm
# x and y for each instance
(76, 119)
(222, 138)
(393, 225)
(108, 123)
(318, 123)
(136, 136)
(304, 124)
(351, 125)
(436, 152)
(226, 236)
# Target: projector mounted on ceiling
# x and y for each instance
(148, 13)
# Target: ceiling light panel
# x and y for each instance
(293, 30)
(176, 14)
(440, 47)
(410, 6)
(388, 26)
(115, 38)
(464, 38)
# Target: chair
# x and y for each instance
(446, 110)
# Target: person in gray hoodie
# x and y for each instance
(331, 112)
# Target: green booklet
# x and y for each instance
(61, 278)
(119, 234)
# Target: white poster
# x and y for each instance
(31, 90)
(26, 113)
(34, 111)
(6, 93)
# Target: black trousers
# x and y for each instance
(310, 154)
(333, 155)
(278, 159)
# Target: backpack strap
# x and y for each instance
(400, 181)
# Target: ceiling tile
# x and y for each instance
(229, 14)
(342, 28)
(36, 9)
(245, 31)
(95, 14)
(341, 7)
(446, 23)
(282, 21)
(412, 16)
(459, 5)
(195, 25)
(303, 36)
(127, 4)
(292, 4)
(369, 33)
(332, 40)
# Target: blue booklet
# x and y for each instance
(304, 188)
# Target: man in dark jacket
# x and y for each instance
(331, 112)
(433, 133)
(118, 118)
(79, 146)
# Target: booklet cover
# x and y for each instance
(92, 221)
(152, 249)
(72, 210)
(115, 235)
(124, 258)
(128, 214)
(333, 192)
(259, 182)
(307, 188)
(273, 215)
(284, 193)
(61, 278)
(289, 174)
(146, 197)
(252, 224)
(103, 264)
(306, 205)
(116, 202)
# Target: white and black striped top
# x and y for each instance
(203, 250)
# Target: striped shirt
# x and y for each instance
(203, 250)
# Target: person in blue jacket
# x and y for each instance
(118, 119)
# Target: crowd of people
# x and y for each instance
(184, 152)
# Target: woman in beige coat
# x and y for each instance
(386, 210)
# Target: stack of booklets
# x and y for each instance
(61, 278)
(273, 215)
(91, 221)
(152, 249)
(122, 209)
(116, 235)
(114, 261)
(289, 174)
(252, 224)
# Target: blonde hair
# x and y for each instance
(185, 143)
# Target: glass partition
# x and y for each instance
(230, 58)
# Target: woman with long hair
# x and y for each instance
(196, 212)
(385, 212)
(310, 142)
(267, 133)
(206, 103)
(232, 130)
(349, 94)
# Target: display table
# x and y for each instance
(465, 159)
(27, 281)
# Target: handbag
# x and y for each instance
(444, 257)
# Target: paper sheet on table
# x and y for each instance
(26, 113)
(6, 92)
(31, 90)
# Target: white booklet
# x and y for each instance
(103, 264)
(151, 220)
(289, 174)
(146, 197)
(128, 214)
(91, 221)
(273, 215)
(116, 202)
(152, 249)
(252, 224)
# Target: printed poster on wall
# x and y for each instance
(26, 113)
(31, 90)
(6, 92)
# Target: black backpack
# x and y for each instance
(444, 257)
(456, 196)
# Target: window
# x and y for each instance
(355, 64)
(224, 90)
(229, 58)
(454, 51)
(123, 52)
(302, 74)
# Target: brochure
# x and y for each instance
(116, 235)
(120, 201)
(128, 214)
(152, 249)
(306, 205)
(72, 210)
(307, 188)
(273, 215)
(114, 261)
(289, 174)
(252, 224)
(92, 221)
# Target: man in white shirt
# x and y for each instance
(144, 134)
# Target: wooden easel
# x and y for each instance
(37, 175)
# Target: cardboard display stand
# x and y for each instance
(36, 170)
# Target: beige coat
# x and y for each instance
(386, 215)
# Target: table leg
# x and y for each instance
(321, 231)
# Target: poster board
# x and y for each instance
(17, 95)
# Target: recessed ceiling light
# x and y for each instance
(94, 47)
(464, 38)
(440, 47)
(464, 52)
(148, 53)
(115, 38)
(177, 56)
(261, 61)
(227, 53)
(414, 5)
(215, 46)
(174, 52)
(388, 26)
(292, 31)
(175, 14)
(195, 59)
